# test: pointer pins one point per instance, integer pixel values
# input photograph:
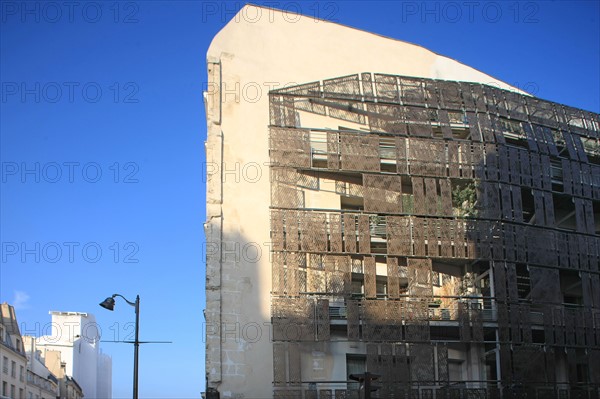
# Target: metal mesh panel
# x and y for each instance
(401, 156)
(325, 394)
(313, 231)
(285, 196)
(287, 394)
(364, 234)
(427, 157)
(463, 322)
(333, 150)
(419, 195)
(398, 235)
(282, 111)
(338, 274)
(505, 362)
(316, 279)
(342, 87)
(421, 366)
(294, 363)
(352, 316)
(382, 193)
(453, 160)
(323, 321)
(515, 104)
(526, 363)
(477, 320)
(359, 152)
(417, 119)
(411, 91)
(503, 323)
(335, 232)
(349, 233)
(367, 86)
(418, 235)
(278, 274)
(393, 278)
(431, 194)
(459, 240)
(290, 147)
(386, 118)
(279, 363)
(386, 87)
(291, 223)
(450, 95)
(370, 277)
(545, 285)
(442, 363)
(347, 111)
(276, 230)
(293, 319)
(419, 277)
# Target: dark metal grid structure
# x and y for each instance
(504, 185)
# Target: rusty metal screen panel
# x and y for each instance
(412, 91)
(277, 231)
(289, 147)
(398, 235)
(418, 235)
(279, 364)
(545, 285)
(442, 363)
(421, 366)
(347, 87)
(294, 363)
(323, 321)
(386, 87)
(419, 277)
(359, 152)
(353, 318)
(349, 233)
(383, 193)
(364, 234)
(370, 277)
(393, 278)
(313, 231)
(335, 233)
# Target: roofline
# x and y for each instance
(374, 34)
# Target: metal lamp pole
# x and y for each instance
(109, 303)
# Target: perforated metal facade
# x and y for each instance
(464, 254)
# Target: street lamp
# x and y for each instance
(109, 303)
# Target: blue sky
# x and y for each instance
(101, 143)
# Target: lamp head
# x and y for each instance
(108, 303)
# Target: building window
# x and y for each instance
(22, 374)
(5, 365)
(4, 388)
(13, 369)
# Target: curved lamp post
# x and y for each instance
(109, 303)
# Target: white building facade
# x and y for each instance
(76, 336)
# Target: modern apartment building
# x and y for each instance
(373, 206)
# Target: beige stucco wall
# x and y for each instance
(245, 60)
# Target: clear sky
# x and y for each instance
(102, 129)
